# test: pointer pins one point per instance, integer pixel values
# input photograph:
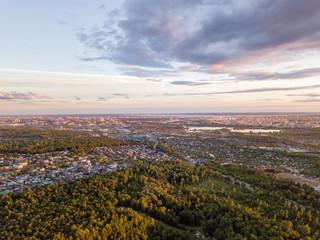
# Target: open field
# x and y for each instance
(298, 179)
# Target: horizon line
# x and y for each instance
(159, 114)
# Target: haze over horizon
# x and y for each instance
(139, 56)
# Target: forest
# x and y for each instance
(164, 200)
(84, 144)
(15, 134)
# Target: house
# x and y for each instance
(20, 165)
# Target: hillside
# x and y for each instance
(166, 200)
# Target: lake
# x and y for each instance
(246, 130)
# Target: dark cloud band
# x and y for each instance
(21, 96)
(155, 33)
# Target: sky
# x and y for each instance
(159, 56)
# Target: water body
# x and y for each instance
(246, 130)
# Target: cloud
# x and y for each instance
(267, 99)
(311, 97)
(297, 74)
(189, 83)
(256, 90)
(308, 100)
(120, 95)
(21, 96)
(304, 95)
(260, 75)
(114, 95)
(154, 80)
(169, 94)
(140, 72)
(189, 68)
(77, 98)
(156, 33)
(101, 99)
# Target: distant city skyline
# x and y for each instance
(147, 56)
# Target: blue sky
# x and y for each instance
(140, 56)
